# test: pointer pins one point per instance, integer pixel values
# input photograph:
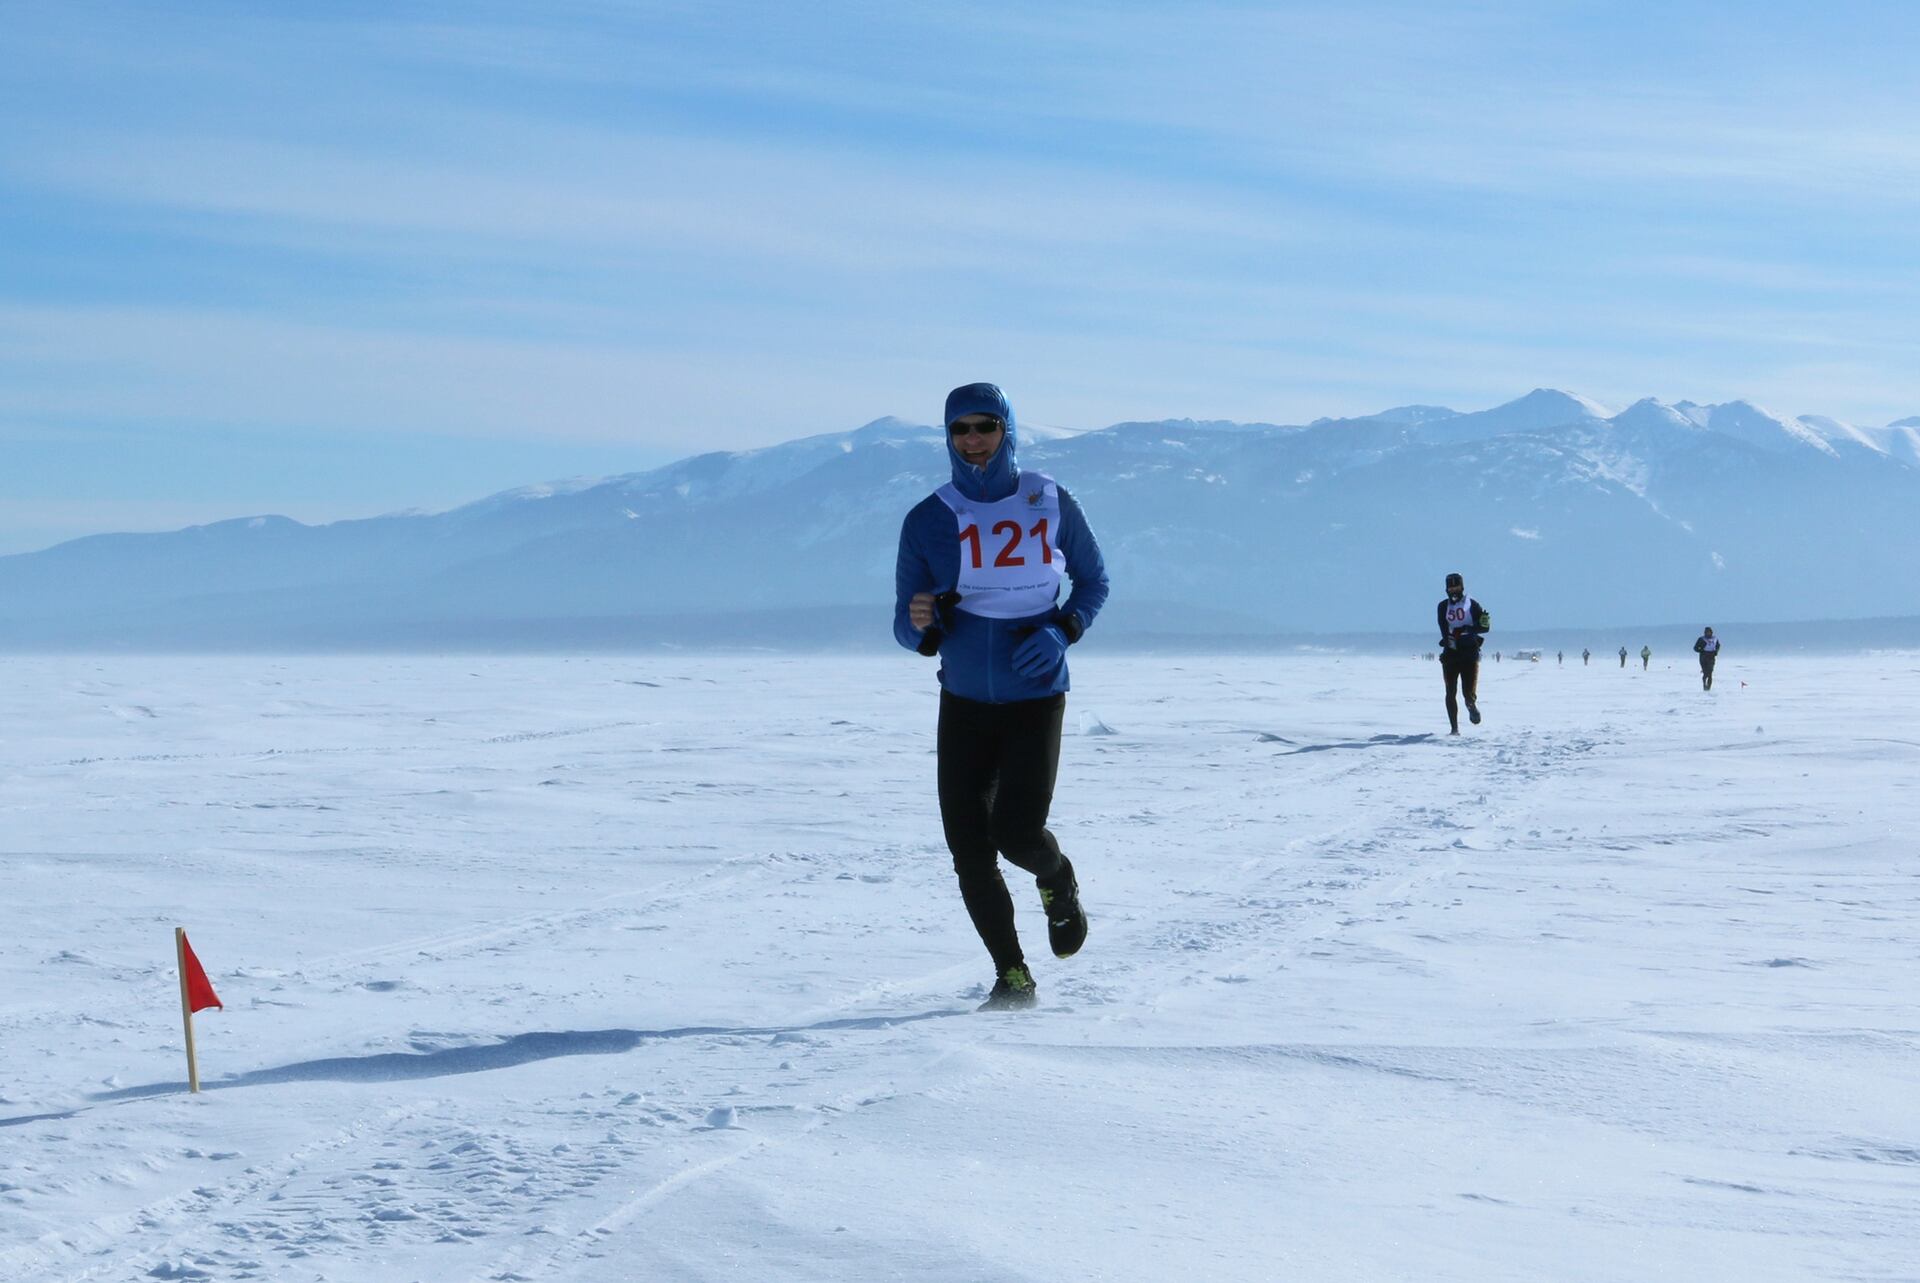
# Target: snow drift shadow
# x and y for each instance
(39, 1118)
(519, 1049)
(1374, 741)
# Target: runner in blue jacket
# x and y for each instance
(977, 582)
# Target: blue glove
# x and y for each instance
(1042, 653)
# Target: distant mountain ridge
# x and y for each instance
(1559, 511)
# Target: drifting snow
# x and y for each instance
(610, 969)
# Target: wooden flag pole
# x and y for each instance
(186, 1006)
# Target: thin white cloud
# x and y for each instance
(628, 194)
(175, 366)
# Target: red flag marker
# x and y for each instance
(196, 994)
(200, 994)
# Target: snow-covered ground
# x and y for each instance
(611, 968)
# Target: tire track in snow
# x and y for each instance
(1507, 773)
(452, 944)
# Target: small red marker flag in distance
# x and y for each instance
(200, 994)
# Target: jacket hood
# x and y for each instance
(1000, 476)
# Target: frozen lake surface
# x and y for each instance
(595, 969)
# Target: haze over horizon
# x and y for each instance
(1568, 515)
(1900, 439)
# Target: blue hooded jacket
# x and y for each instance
(976, 653)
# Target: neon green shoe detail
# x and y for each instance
(1014, 989)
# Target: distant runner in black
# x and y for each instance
(1707, 647)
(1463, 627)
(1560, 658)
(1646, 657)
(1585, 656)
(1623, 657)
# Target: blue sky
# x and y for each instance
(329, 260)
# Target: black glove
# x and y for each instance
(936, 632)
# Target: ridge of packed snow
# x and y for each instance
(1838, 433)
(1654, 414)
(1746, 422)
(1539, 409)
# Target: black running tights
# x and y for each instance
(1462, 669)
(997, 766)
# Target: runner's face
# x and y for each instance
(976, 437)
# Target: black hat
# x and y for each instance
(1455, 581)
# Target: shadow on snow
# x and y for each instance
(520, 1049)
(1375, 741)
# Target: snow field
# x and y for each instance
(653, 968)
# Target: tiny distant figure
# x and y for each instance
(1585, 657)
(1001, 635)
(1496, 656)
(1646, 656)
(1560, 658)
(1463, 627)
(1707, 647)
(1623, 657)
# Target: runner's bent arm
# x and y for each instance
(1085, 566)
(913, 574)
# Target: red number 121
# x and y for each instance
(1007, 556)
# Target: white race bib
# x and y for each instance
(1710, 646)
(1460, 614)
(1010, 567)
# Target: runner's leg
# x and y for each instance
(969, 769)
(1029, 764)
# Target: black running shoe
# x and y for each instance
(1066, 920)
(1012, 991)
(1473, 714)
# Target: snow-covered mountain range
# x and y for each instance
(1558, 511)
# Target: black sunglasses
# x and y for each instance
(987, 429)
